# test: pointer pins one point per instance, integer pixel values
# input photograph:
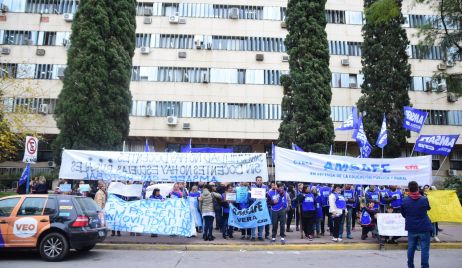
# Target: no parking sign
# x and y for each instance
(30, 150)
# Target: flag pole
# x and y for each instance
(441, 166)
(346, 147)
(382, 152)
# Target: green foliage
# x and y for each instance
(93, 107)
(386, 81)
(307, 93)
(454, 183)
(382, 11)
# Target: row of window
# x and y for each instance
(185, 41)
(31, 71)
(346, 80)
(212, 110)
(206, 75)
(202, 10)
(29, 105)
(34, 38)
(189, 109)
(345, 48)
(435, 117)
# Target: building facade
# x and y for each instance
(209, 71)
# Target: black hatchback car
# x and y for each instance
(51, 224)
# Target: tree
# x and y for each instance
(386, 74)
(94, 104)
(307, 91)
(444, 30)
(17, 119)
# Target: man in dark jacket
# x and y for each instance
(414, 209)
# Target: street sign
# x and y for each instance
(31, 149)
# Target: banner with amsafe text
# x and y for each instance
(310, 167)
(163, 167)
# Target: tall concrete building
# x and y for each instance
(209, 71)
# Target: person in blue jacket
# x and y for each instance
(319, 213)
(156, 194)
(359, 193)
(350, 198)
(396, 197)
(279, 200)
(418, 225)
(308, 212)
(227, 230)
(384, 198)
(372, 195)
(259, 230)
(324, 192)
(246, 233)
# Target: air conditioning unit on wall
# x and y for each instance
(172, 120)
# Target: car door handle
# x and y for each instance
(43, 220)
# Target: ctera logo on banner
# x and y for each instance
(414, 119)
(436, 144)
(351, 122)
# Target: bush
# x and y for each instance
(454, 183)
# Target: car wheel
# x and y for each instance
(86, 248)
(54, 247)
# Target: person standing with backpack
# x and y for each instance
(418, 225)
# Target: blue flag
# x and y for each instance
(414, 119)
(359, 134)
(296, 147)
(187, 148)
(25, 175)
(436, 144)
(382, 140)
(366, 150)
(146, 146)
(351, 122)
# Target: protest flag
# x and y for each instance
(360, 136)
(414, 119)
(273, 152)
(296, 147)
(382, 140)
(187, 148)
(445, 206)
(436, 144)
(25, 177)
(351, 122)
(146, 146)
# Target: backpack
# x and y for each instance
(365, 218)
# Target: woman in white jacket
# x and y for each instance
(337, 207)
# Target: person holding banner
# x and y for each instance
(156, 195)
(259, 229)
(279, 201)
(243, 203)
(308, 212)
(369, 220)
(350, 199)
(101, 195)
(418, 225)
(176, 191)
(372, 195)
(206, 201)
(337, 208)
(396, 198)
(325, 191)
(228, 197)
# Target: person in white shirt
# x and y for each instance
(337, 207)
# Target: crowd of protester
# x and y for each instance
(316, 210)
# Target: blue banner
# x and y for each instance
(194, 203)
(382, 140)
(152, 216)
(414, 119)
(436, 144)
(242, 194)
(25, 175)
(351, 122)
(251, 217)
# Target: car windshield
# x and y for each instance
(88, 205)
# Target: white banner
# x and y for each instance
(163, 167)
(128, 190)
(30, 150)
(310, 167)
(164, 188)
(258, 193)
(391, 224)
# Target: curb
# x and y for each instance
(294, 247)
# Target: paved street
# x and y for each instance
(234, 259)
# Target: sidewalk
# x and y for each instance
(451, 237)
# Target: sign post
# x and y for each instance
(30, 155)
